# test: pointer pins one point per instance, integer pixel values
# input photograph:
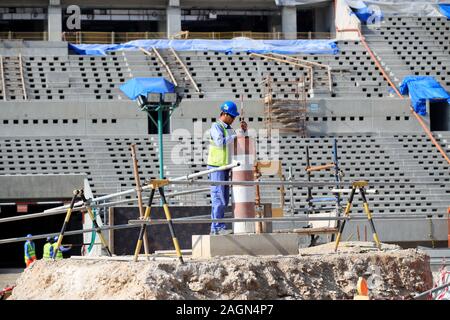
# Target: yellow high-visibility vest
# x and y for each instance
(218, 155)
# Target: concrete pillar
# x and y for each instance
(323, 19)
(289, 21)
(274, 23)
(332, 19)
(173, 17)
(162, 24)
(54, 20)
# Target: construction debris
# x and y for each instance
(316, 273)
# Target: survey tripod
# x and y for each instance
(79, 193)
(360, 185)
(158, 184)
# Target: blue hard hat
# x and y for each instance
(48, 239)
(55, 238)
(230, 108)
(29, 235)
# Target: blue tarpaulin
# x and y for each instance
(365, 13)
(445, 10)
(228, 46)
(421, 89)
(141, 86)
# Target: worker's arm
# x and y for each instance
(65, 248)
(51, 251)
(218, 137)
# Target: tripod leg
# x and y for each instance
(346, 213)
(144, 226)
(369, 217)
(66, 221)
(169, 222)
(94, 223)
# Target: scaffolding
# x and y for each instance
(285, 106)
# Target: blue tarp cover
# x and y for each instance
(421, 89)
(445, 10)
(141, 86)
(228, 46)
(364, 12)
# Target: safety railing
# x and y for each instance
(29, 36)
(120, 37)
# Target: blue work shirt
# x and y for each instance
(61, 248)
(217, 136)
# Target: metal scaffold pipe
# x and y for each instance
(283, 219)
(61, 211)
(304, 183)
(130, 191)
(138, 223)
(68, 233)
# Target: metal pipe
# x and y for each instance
(125, 192)
(295, 183)
(425, 293)
(369, 191)
(68, 233)
(205, 172)
(173, 194)
(61, 211)
(284, 219)
(137, 224)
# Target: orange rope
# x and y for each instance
(422, 124)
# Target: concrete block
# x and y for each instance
(57, 79)
(207, 246)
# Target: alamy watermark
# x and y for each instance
(74, 20)
(191, 147)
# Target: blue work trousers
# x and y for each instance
(220, 196)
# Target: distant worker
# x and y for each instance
(30, 251)
(222, 137)
(59, 253)
(48, 249)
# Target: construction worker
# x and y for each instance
(59, 254)
(222, 137)
(30, 252)
(48, 249)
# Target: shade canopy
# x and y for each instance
(142, 86)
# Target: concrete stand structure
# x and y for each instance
(206, 246)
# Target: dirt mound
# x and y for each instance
(316, 273)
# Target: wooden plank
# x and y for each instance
(22, 78)
(3, 78)
(161, 60)
(185, 69)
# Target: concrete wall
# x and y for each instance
(33, 48)
(412, 230)
(71, 118)
(34, 187)
(337, 115)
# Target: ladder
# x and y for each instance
(12, 69)
(186, 73)
(2, 79)
(175, 67)
(315, 81)
(287, 115)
